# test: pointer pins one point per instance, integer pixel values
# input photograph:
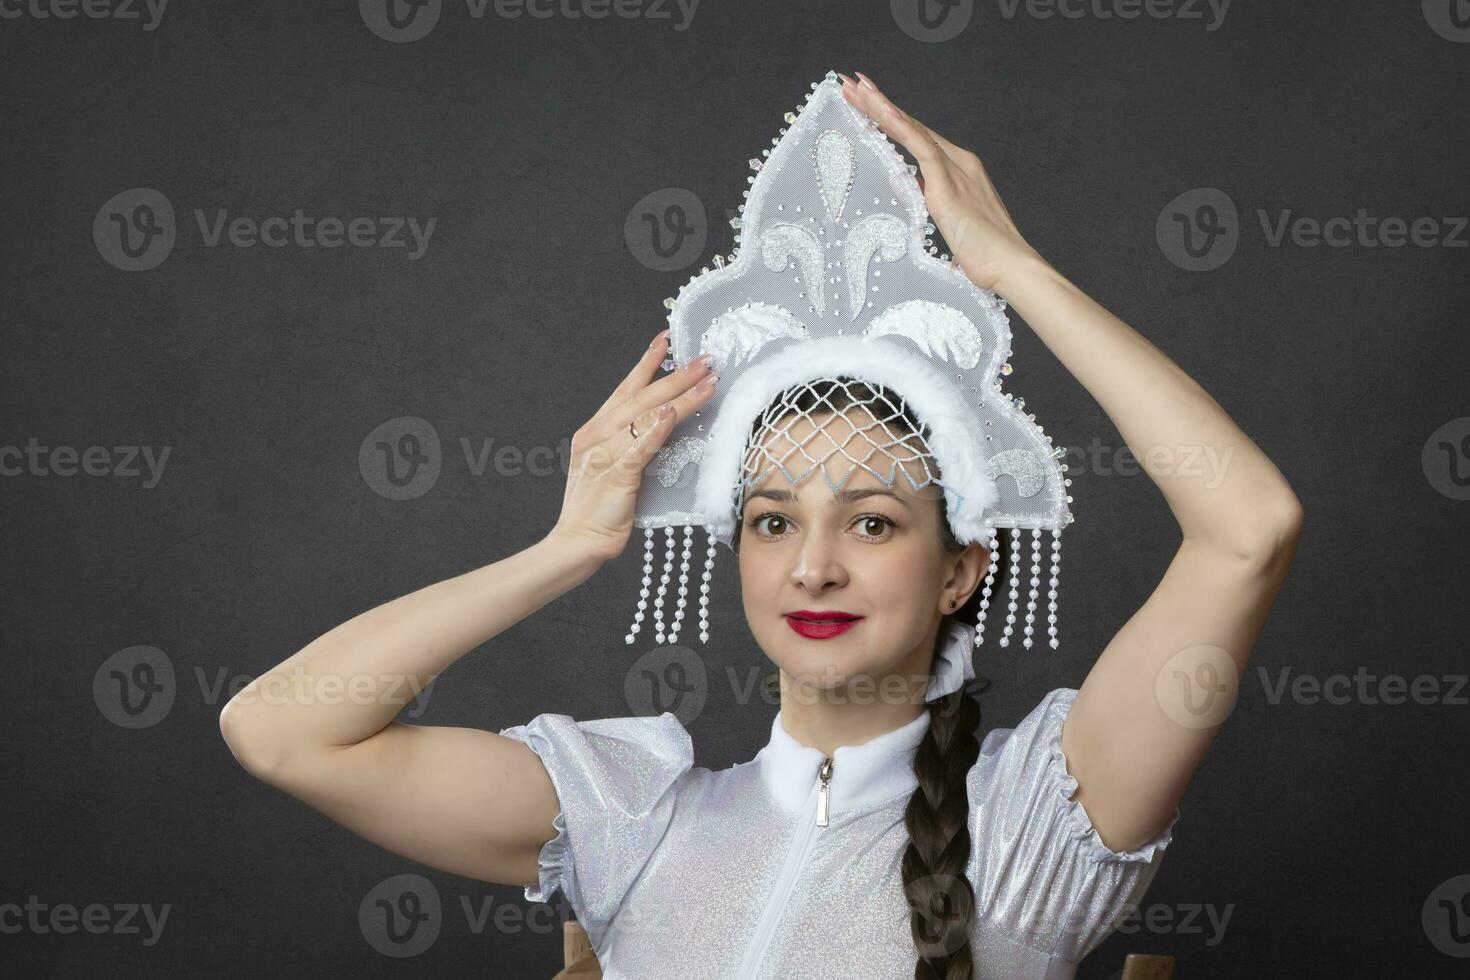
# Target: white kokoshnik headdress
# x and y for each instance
(841, 282)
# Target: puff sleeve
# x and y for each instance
(1042, 875)
(616, 780)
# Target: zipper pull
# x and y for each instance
(826, 774)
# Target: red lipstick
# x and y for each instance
(821, 624)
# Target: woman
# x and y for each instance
(875, 834)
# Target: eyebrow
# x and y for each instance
(838, 496)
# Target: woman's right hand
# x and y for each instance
(607, 463)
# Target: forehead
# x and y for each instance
(851, 449)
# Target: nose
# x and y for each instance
(818, 564)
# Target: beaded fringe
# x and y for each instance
(661, 634)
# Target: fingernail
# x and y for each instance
(659, 337)
(700, 362)
(705, 384)
(867, 82)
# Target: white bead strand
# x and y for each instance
(993, 545)
(1013, 572)
(1051, 592)
(643, 592)
(709, 570)
(663, 587)
(1035, 585)
(683, 583)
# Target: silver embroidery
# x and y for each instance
(1022, 466)
(939, 329)
(738, 334)
(880, 234)
(785, 240)
(836, 163)
(670, 461)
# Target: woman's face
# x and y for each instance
(870, 550)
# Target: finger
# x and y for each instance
(608, 450)
(909, 132)
(635, 458)
(926, 151)
(615, 419)
(944, 144)
(643, 372)
(682, 407)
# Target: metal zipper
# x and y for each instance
(796, 857)
(825, 775)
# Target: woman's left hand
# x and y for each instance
(958, 192)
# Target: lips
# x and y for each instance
(821, 625)
(823, 616)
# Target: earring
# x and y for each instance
(951, 603)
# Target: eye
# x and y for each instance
(864, 523)
(755, 522)
(867, 520)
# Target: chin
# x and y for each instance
(822, 664)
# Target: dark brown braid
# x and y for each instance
(941, 899)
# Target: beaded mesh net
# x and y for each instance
(833, 417)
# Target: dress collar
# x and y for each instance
(862, 775)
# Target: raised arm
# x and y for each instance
(1132, 742)
(321, 724)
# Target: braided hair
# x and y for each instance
(940, 897)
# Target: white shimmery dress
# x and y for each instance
(677, 871)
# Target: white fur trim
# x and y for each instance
(956, 441)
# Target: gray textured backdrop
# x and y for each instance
(1331, 834)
